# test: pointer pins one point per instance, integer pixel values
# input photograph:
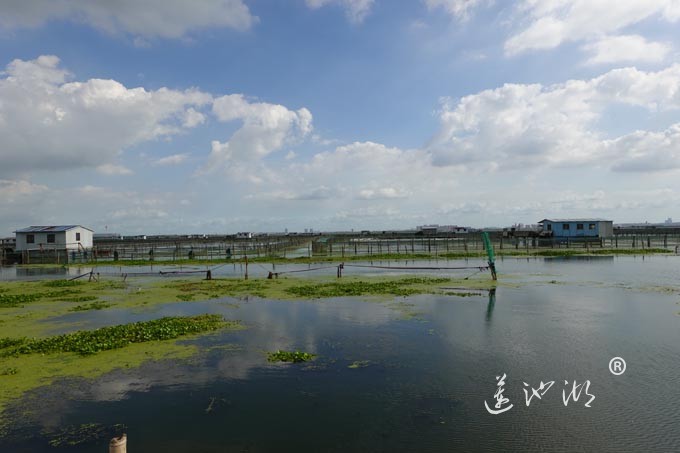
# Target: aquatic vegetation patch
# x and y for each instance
(98, 305)
(9, 371)
(462, 293)
(16, 300)
(80, 298)
(93, 341)
(399, 287)
(290, 356)
(9, 342)
(62, 283)
(211, 289)
(359, 364)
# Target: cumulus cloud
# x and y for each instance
(359, 172)
(553, 22)
(49, 122)
(647, 151)
(123, 211)
(628, 48)
(266, 128)
(11, 190)
(314, 193)
(520, 125)
(147, 19)
(356, 10)
(113, 169)
(382, 193)
(174, 159)
(459, 9)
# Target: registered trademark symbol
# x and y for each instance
(617, 366)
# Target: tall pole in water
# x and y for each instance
(489, 252)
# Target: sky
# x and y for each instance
(170, 116)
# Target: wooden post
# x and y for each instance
(246, 267)
(118, 444)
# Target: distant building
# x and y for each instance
(577, 228)
(107, 237)
(244, 235)
(59, 237)
(442, 229)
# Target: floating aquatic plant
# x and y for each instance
(93, 341)
(289, 356)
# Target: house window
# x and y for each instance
(579, 226)
(549, 227)
(77, 236)
(565, 226)
(30, 239)
(50, 238)
(591, 226)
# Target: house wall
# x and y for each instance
(573, 231)
(62, 240)
(607, 229)
(86, 238)
(603, 228)
(41, 238)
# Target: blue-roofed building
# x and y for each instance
(577, 228)
(55, 237)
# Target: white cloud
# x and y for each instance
(459, 9)
(192, 118)
(360, 214)
(628, 48)
(11, 190)
(146, 19)
(47, 122)
(266, 128)
(123, 211)
(174, 159)
(382, 193)
(313, 194)
(533, 125)
(359, 171)
(356, 10)
(553, 22)
(113, 169)
(647, 151)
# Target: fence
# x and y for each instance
(339, 246)
(472, 244)
(200, 250)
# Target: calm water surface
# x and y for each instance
(428, 363)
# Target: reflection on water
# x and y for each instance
(490, 305)
(429, 363)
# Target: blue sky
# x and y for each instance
(166, 117)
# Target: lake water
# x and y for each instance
(426, 364)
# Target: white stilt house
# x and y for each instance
(53, 243)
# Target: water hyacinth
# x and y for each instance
(114, 337)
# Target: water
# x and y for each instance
(431, 363)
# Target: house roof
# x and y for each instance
(49, 229)
(575, 220)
